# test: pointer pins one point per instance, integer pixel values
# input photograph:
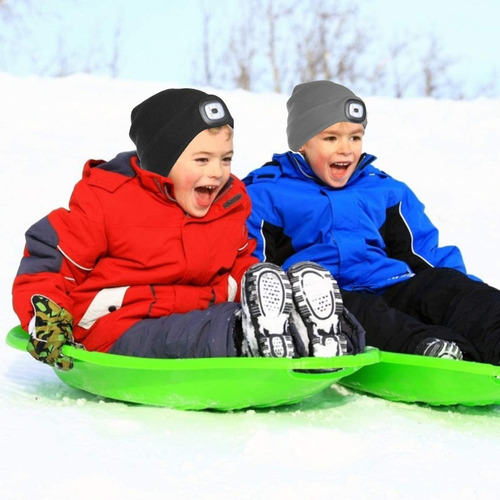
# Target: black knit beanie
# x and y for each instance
(164, 124)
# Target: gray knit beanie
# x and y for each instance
(315, 106)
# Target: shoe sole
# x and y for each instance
(268, 299)
(315, 292)
(318, 300)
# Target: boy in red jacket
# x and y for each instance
(149, 258)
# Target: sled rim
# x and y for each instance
(224, 384)
(18, 339)
(411, 378)
(442, 363)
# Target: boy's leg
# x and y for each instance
(470, 309)
(205, 333)
(390, 329)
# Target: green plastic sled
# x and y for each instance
(410, 378)
(196, 384)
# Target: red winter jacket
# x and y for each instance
(125, 251)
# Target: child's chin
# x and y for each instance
(337, 183)
(198, 211)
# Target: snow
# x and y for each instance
(59, 442)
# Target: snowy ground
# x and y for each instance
(58, 442)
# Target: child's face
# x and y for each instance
(334, 153)
(202, 169)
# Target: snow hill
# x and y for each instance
(56, 441)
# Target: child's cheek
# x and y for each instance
(188, 181)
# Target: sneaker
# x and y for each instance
(438, 348)
(319, 305)
(266, 300)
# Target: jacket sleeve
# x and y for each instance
(59, 252)
(266, 226)
(410, 236)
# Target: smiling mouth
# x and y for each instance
(206, 189)
(205, 194)
(341, 165)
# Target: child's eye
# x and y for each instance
(356, 138)
(201, 161)
(330, 138)
(227, 159)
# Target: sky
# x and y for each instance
(162, 40)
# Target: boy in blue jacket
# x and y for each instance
(324, 201)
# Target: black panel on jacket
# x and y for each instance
(399, 240)
(278, 244)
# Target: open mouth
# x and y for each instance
(340, 165)
(205, 194)
(339, 168)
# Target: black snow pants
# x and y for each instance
(437, 302)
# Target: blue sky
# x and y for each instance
(161, 38)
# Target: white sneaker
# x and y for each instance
(266, 300)
(438, 348)
(319, 305)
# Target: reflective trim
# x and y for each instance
(73, 262)
(264, 242)
(412, 248)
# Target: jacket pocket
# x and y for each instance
(106, 301)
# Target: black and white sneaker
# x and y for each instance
(319, 305)
(438, 348)
(266, 299)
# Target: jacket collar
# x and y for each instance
(152, 181)
(128, 165)
(295, 165)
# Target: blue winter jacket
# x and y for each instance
(371, 234)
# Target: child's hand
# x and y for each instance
(53, 329)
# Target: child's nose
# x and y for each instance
(344, 147)
(215, 169)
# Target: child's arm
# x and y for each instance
(60, 250)
(266, 227)
(411, 237)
